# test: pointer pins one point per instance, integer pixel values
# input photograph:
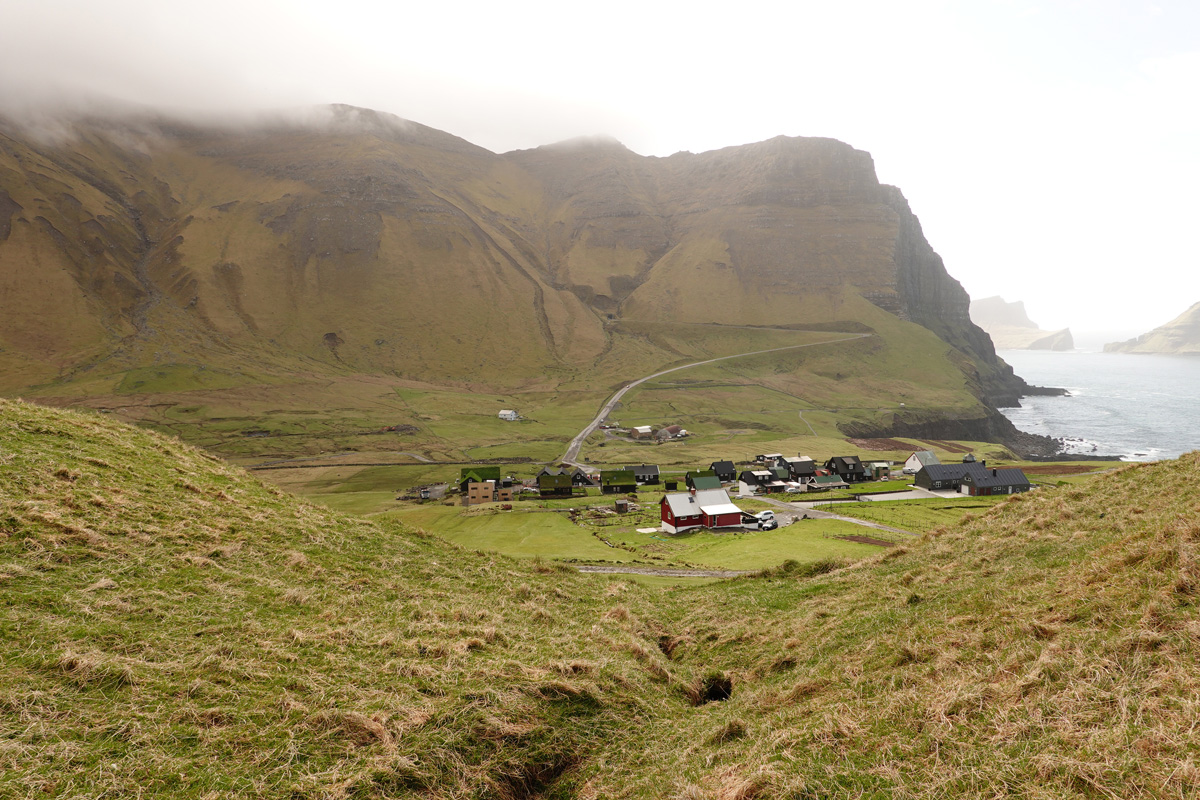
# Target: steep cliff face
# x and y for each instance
(1180, 336)
(358, 241)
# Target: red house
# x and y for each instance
(707, 508)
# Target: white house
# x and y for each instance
(509, 414)
(921, 458)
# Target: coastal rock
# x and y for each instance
(1011, 329)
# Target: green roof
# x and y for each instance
(617, 477)
(554, 482)
(479, 474)
(705, 481)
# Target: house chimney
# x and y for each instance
(984, 462)
(993, 473)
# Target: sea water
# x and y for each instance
(1138, 407)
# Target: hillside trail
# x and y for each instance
(572, 454)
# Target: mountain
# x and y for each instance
(346, 241)
(1180, 336)
(1011, 329)
(173, 627)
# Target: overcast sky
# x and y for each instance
(1050, 148)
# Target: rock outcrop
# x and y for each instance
(1011, 329)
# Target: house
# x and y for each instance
(941, 476)
(641, 432)
(848, 468)
(799, 468)
(582, 480)
(921, 458)
(468, 475)
(981, 481)
(509, 414)
(752, 481)
(646, 474)
(702, 480)
(617, 481)
(708, 508)
(823, 483)
(488, 492)
(579, 478)
(725, 470)
(555, 485)
(670, 432)
(879, 470)
(768, 459)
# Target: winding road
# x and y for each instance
(572, 455)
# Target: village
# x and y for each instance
(707, 498)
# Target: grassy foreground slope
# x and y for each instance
(170, 627)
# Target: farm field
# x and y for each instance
(526, 532)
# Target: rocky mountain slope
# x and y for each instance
(1180, 336)
(1011, 329)
(359, 240)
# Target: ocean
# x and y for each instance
(1138, 407)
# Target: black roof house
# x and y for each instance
(725, 470)
(848, 468)
(983, 481)
(645, 473)
(980, 479)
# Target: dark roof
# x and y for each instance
(946, 472)
(985, 478)
(551, 471)
(723, 466)
(645, 469)
(479, 474)
(846, 461)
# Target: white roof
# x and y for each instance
(724, 508)
(712, 497)
(683, 504)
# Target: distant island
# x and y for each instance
(1180, 336)
(1011, 329)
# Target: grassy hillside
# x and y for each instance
(172, 627)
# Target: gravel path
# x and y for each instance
(572, 454)
(663, 571)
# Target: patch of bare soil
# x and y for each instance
(880, 444)
(867, 540)
(950, 447)
(1058, 469)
